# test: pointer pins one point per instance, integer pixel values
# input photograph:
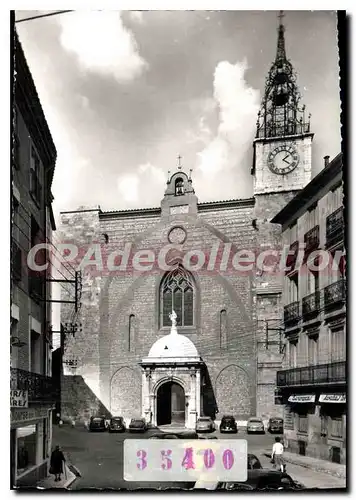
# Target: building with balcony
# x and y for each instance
(32, 392)
(312, 384)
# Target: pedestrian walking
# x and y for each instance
(277, 455)
(56, 465)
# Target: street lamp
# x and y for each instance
(16, 342)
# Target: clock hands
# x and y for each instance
(283, 159)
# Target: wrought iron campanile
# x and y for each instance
(281, 114)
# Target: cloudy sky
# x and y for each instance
(125, 92)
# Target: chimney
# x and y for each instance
(326, 161)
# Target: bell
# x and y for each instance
(280, 78)
(280, 99)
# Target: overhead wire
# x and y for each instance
(50, 241)
(26, 250)
(41, 16)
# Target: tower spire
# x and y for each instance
(280, 114)
(281, 46)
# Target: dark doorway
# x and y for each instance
(170, 404)
(302, 447)
(335, 454)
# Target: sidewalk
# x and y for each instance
(67, 479)
(315, 464)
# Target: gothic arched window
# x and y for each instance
(177, 293)
(179, 185)
(223, 328)
(131, 335)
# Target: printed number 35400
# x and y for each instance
(188, 462)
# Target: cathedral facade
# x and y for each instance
(171, 327)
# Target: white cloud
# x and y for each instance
(238, 107)
(128, 186)
(152, 174)
(133, 187)
(102, 44)
(136, 16)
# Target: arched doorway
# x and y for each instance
(170, 404)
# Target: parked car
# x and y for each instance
(138, 425)
(117, 424)
(264, 479)
(164, 435)
(97, 424)
(228, 424)
(275, 424)
(257, 479)
(175, 435)
(255, 424)
(205, 424)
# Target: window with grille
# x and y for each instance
(16, 262)
(292, 355)
(336, 199)
(312, 281)
(312, 217)
(292, 288)
(303, 423)
(323, 424)
(338, 345)
(177, 293)
(293, 233)
(35, 185)
(313, 350)
(336, 427)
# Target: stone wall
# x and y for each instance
(267, 181)
(102, 348)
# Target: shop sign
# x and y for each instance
(30, 414)
(302, 398)
(332, 398)
(18, 399)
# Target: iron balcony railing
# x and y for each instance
(311, 240)
(291, 312)
(315, 374)
(335, 294)
(335, 227)
(41, 388)
(311, 303)
(282, 129)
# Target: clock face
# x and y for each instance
(283, 160)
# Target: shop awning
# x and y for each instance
(302, 398)
(332, 398)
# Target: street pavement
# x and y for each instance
(99, 458)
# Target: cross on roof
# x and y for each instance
(179, 163)
(280, 16)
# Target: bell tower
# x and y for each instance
(179, 197)
(281, 167)
(282, 147)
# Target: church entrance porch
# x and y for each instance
(171, 381)
(171, 395)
